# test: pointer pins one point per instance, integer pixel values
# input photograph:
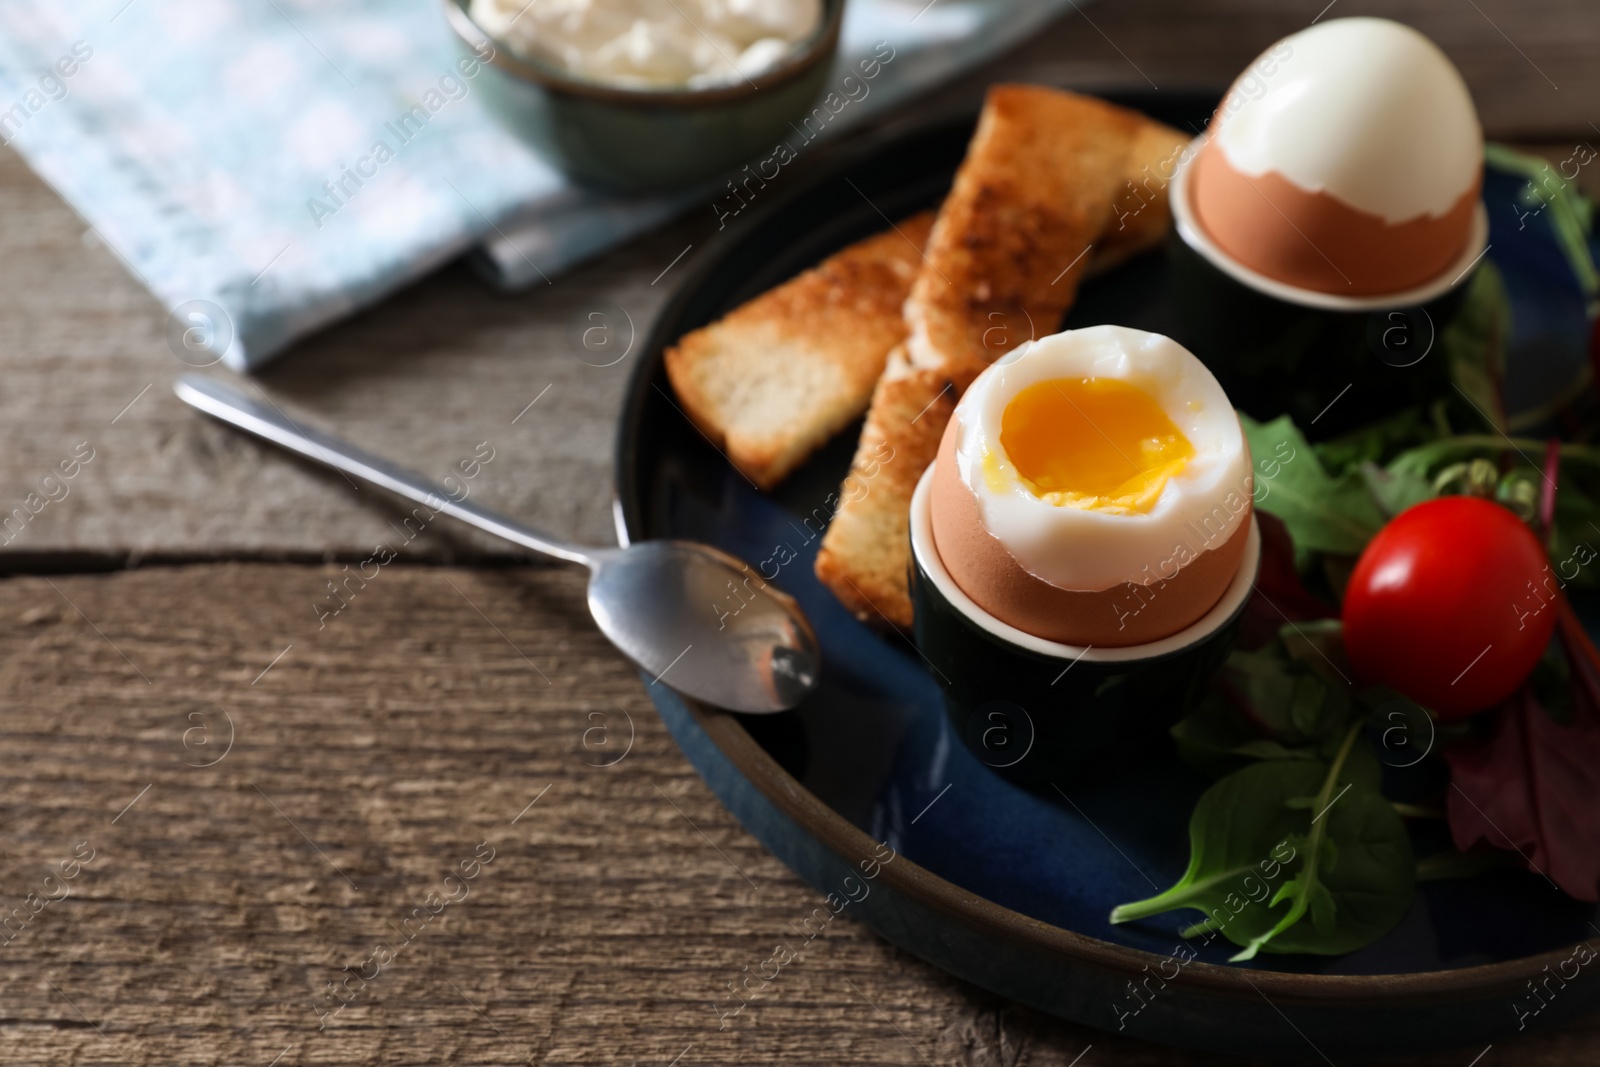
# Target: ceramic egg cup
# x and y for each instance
(1041, 713)
(1332, 362)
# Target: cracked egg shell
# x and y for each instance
(1347, 159)
(1085, 575)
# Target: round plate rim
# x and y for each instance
(844, 839)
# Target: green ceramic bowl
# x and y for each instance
(643, 140)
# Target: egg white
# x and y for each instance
(1090, 550)
(1366, 109)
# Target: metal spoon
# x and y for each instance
(689, 615)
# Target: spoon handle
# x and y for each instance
(269, 422)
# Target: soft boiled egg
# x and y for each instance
(1093, 488)
(1346, 159)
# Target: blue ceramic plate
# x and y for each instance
(1003, 887)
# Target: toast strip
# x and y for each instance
(1013, 238)
(776, 378)
(1141, 214)
(864, 554)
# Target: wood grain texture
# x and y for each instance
(427, 374)
(422, 378)
(1529, 64)
(229, 886)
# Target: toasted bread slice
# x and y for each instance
(864, 553)
(1107, 183)
(775, 379)
(1013, 238)
(1140, 214)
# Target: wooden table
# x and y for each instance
(249, 802)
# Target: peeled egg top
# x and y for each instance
(1093, 453)
(1347, 158)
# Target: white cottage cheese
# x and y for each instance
(653, 43)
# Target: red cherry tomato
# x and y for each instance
(1450, 605)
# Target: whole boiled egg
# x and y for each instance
(1346, 159)
(1093, 488)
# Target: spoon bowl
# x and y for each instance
(735, 641)
(689, 615)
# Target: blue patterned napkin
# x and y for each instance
(210, 144)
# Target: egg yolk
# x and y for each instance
(1098, 444)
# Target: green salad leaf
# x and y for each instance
(1510, 463)
(1376, 441)
(1292, 855)
(1290, 699)
(1395, 491)
(1426, 460)
(1323, 513)
(1244, 837)
(1295, 848)
(1216, 740)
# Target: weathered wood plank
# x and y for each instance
(423, 378)
(1529, 65)
(427, 375)
(371, 760)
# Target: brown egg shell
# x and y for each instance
(1125, 614)
(1314, 240)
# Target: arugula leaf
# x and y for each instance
(1321, 833)
(1575, 537)
(1395, 491)
(1242, 831)
(1376, 441)
(1424, 460)
(1359, 875)
(1318, 645)
(1216, 739)
(1288, 700)
(1323, 513)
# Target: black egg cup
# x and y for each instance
(1332, 363)
(1040, 713)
